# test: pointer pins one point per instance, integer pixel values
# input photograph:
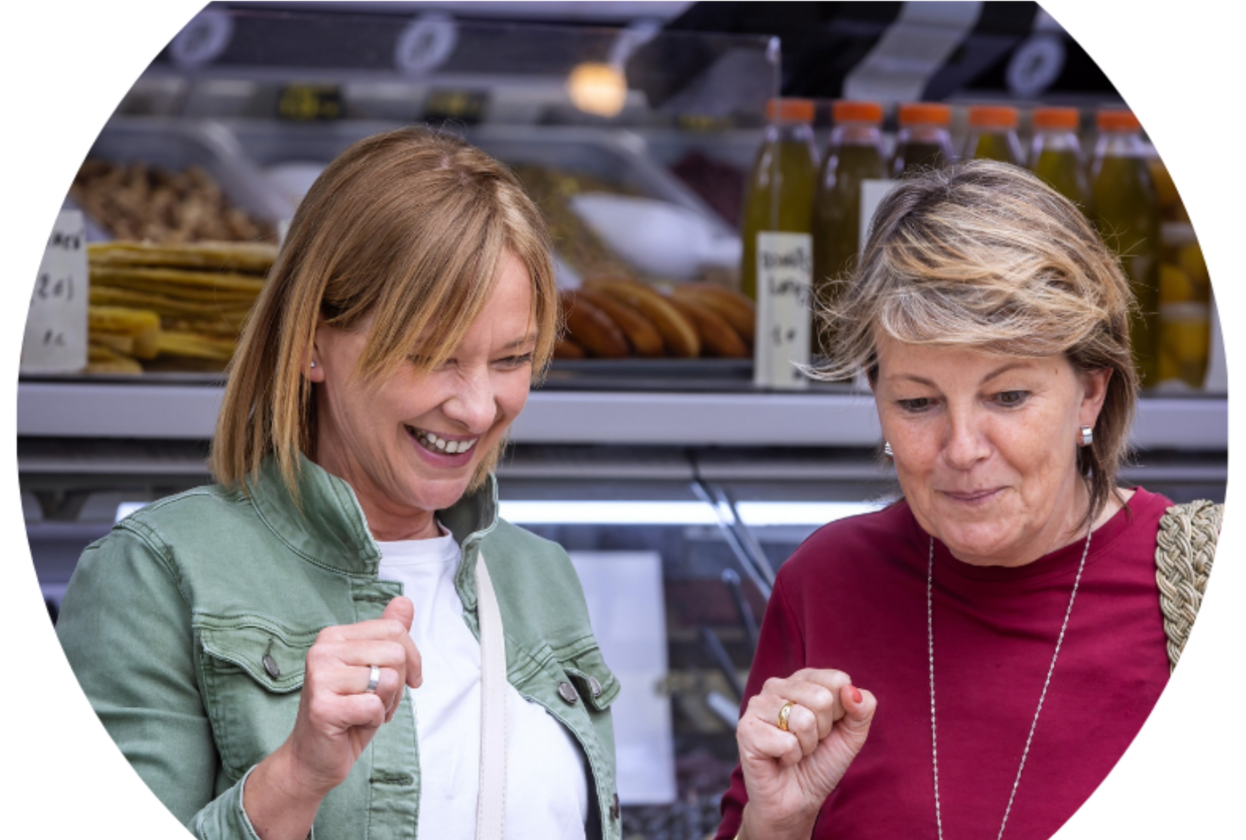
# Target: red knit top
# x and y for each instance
(853, 597)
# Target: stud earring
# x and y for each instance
(1088, 435)
(887, 449)
(313, 364)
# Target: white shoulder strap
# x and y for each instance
(491, 804)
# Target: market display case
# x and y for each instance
(678, 484)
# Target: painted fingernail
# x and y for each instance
(856, 694)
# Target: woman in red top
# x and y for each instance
(1005, 613)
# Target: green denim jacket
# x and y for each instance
(189, 624)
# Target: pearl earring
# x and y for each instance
(887, 449)
(1088, 435)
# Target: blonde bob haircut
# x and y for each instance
(985, 255)
(410, 227)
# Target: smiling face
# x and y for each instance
(410, 443)
(985, 446)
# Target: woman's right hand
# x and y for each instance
(337, 718)
(788, 775)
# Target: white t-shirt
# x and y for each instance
(546, 777)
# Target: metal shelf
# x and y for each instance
(169, 411)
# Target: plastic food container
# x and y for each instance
(177, 144)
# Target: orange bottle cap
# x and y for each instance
(927, 113)
(790, 110)
(849, 111)
(993, 116)
(1056, 118)
(1117, 119)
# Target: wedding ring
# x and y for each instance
(374, 679)
(784, 714)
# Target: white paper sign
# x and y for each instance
(56, 328)
(873, 191)
(784, 274)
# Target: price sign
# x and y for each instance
(56, 328)
(784, 272)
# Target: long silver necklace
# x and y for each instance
(934, 734)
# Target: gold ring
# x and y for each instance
(784, 714)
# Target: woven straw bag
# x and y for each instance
(1184, 550)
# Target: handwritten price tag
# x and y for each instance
(784, 271)
(56, 328)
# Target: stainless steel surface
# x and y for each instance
(188, 412)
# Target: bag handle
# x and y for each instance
(491, 801)
(1184, 550)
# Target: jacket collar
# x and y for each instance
(331, 530)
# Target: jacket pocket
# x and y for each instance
(594, 681)
(251, 671)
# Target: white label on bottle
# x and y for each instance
(56, 328)
(784, 274)
(873, 191)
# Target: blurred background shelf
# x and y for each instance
(174, 409)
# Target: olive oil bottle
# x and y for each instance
(1056, 154)
(993, 134)
(923, 141)
(854, 154)
(779, 195)
(1126, 212)
(777, 265)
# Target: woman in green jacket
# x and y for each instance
(314, 646)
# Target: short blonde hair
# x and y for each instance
(985, 255)
(409, 226)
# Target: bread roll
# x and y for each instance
(641, 333)
(717, 336)
(733, 307)
(592, 329)
(568, 349)
(678, 333)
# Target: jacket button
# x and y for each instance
(614, 809)
(567, 692)
(594, 686)
(270, 665)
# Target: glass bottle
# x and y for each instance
(1185, 306)
(1126, 212)
(993, 134)
(854, 154)
(923, 141)
(779, 195)
(1056, 153)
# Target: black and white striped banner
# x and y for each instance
(911, 51)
